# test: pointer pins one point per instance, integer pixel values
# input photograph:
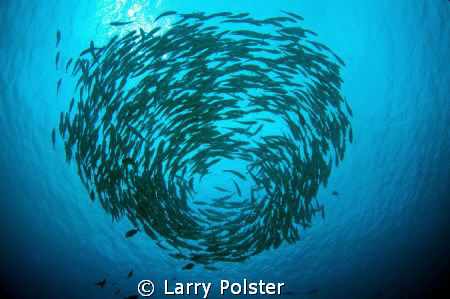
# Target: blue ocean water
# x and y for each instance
(386, 235)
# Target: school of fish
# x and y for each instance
(158, 116)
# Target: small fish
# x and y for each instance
(236, 173)
(131, 233)
(71, 104)
(188, 266)
(92, 195)
(211, 268)
(165, 14)
(58, 85)
(58, 37)
(130, 274)
(132, 297)
(117, 291)
(68, 64)
(221, 189)
(57, 60)
(142, 33)
(101, 284)
(53, 138)
(120, 23)
(238, 190)
(335, 193)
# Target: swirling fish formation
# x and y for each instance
(162, 116)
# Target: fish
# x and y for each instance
(131, 233)
(335, 193)
(72, 102)
(221, 189)
(293, 15)
(132, 297)
(236, 173)
(165, 14)
(58, 85)
(188, 266)
(120, 23)
(130, 274)
(57, 59)
(116, 291)
(238, 190)
(53, 138)
(101, 284)
(58, 38)
(92, 195)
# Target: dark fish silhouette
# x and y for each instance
(92, 195)
(57, 60)
(335, 193)
(117, 291)
(131, 233)
(68, 64)
(188, 266)
(58, 84)
(221, 189)
(120, 23)
(101, 284)
(165, 14)
(53, 138)
(130, 274)
(131, 297)
(58, 37)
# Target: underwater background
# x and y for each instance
(386, 235)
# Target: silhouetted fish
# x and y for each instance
(57, 60)
(120, 23)
(92, 195)
(117, 291)
(165, 14)
(58, 37)
(131, 297)
(53, 138)
(188, 266)
(131, 233)
(101, 283)
(58, 85)
(130, 274)
(335, 193)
